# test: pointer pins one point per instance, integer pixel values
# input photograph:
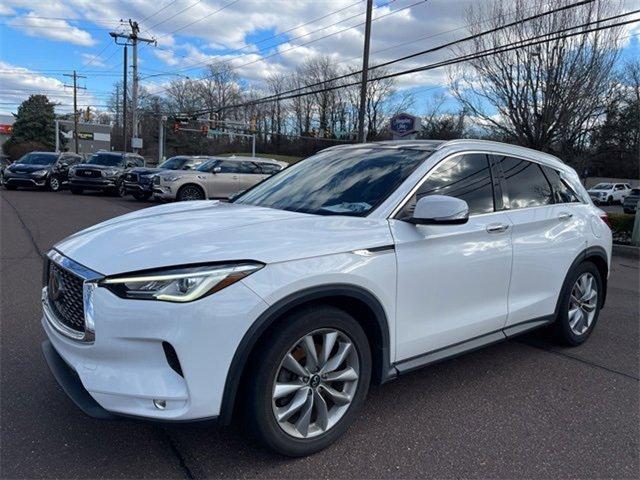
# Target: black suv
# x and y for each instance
(105, 172)
(139, 181)
(48, 170)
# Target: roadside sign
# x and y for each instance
(404, 125)
(136, 142)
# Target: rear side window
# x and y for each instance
(526, 184)
(467, 177)
(249, 167)
(562, 193)
(229, 167)
(269, 168)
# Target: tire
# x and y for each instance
(141, 197)
(610, 201)
(119, 190)
(190, 192)
(76, 190)
(261, 407)
(564, 329)
(54, 183)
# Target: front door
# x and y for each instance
(453, 280)
(225, 181)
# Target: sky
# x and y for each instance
(40, 41)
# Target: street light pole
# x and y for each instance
(365, 73)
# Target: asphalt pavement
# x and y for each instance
(521, 409)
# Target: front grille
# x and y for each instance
(65, 292)
(86, 173)
(156, 180)
(131, 177)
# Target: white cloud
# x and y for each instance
(58, 30)
(19, 83)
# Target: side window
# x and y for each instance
(620, 187)
(526, 185)
(249, 167)
(229, 167)
(467, 177)
(269, 169)
(562, 193)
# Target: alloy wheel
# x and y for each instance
(315, 383)
(190, 193)
(54, 183)
(583, 303)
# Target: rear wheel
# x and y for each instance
(309, 381)
(190, 192)
(580, 303)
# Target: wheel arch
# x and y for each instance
(192, 184)
(357, 301)
(598, 256)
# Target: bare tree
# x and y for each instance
(544, 96)
(219, 89)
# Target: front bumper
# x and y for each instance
(93, 184)
(126, 367)
(163, 192)
(131, 187)
(24, 180)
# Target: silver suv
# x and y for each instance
(221, 177)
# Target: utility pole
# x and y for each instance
(365, 73)
(75, 87)
(132, 39)
(124, 101)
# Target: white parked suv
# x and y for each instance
(351, 267)
(609, 192)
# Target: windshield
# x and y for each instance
(337, 182)
(173, 163)
(38, 159)
(602, 186)
(106, 159)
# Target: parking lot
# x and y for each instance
(524, 408)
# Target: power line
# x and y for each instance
(158, 11)
(201, 19)
(455, 60)
(175, 15)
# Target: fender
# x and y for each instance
(381, 365)
(590, 252)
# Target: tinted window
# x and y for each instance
(562, 193)
(229, 167)
(194, 163)
(337, 182)
(467, 177)
(250, 167)
(174, 163)
(107, 159)
(269, 168)
(526, 185)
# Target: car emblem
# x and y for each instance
(56, 291)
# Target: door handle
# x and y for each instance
(497, 228)
(564, 216)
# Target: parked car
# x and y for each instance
(47, 170)
(104, 172)
(220, 177)
(354, 266)
(609, 193)
(139, 181)
(630, 203)
(5, 161)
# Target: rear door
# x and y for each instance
(250, 175)
(548, 234)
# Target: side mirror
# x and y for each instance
(216, 169)
(440, 210)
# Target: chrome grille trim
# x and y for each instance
(87, 279)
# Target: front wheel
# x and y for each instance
(310, 379)
(54, 183)
(580, 302)
(120, 190)
(190, 192)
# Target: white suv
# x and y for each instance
(354, 266)
(609, 192)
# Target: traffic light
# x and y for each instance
(176, 127)
(204, 129)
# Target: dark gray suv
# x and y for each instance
(46, 170)
(104, 172)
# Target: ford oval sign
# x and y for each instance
(404, 124)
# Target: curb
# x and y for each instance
(628, 251)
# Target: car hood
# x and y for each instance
(27, 168)
(97, 167)
(210, 231)
(145, 170)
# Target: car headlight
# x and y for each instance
(110, 172)
(171, 178)
(39, 173)
(179, 284)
